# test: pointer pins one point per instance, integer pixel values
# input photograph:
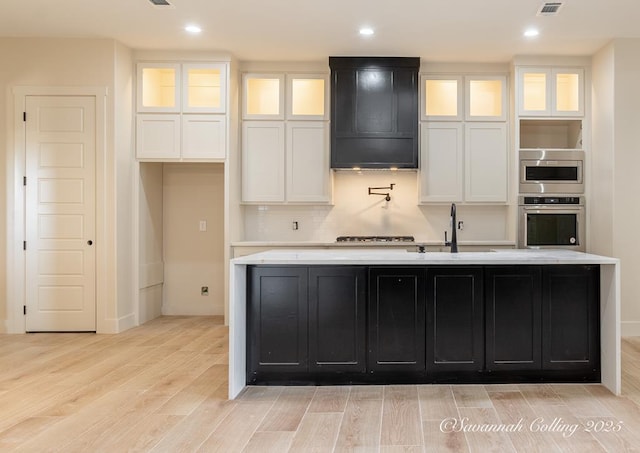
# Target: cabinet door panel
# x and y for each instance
(441, 162)
(571, 324)
(455, 340)
(396, 319)
(513, 320)
(486, 162)
(158, 136)
(308, 161)
(337, 307)
(203, 136)
(263, 161)
(277, 319)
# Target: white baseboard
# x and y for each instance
(630, 328)
(127, 322)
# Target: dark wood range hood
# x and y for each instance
(374, 112)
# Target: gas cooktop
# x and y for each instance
(375, 239)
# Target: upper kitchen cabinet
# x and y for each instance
(457, 98)
(285, 159)
(187, 88)
(307, 97)
(547, 91)
(263, 96)
(181, 111)
(374, 112)
(463, 162)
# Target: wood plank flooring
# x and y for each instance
(162, 387)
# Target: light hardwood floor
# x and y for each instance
(162, 387)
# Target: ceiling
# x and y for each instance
(311, 30)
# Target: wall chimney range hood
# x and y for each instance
(374, 112)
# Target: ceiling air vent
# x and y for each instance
(549, 8)
(160, 3)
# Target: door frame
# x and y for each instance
(16, 209)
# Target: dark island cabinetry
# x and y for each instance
(455, 317)
(396, 319)
(337, 319)
(514, 310)
(543, 318)
(277, 319)
(305, 320)
(385, 324)
(571, 318)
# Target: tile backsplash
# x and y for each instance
(355, 212)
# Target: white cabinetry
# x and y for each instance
(285, 145)
(464, 154)
(263, 161)
(458, 167)
(441, 162)
(307, 161)
(550, 91)
(181, 111)
(487, 162)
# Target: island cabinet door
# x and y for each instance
(396, 319)
(277, 320)
(455, 320)
(513, 318)
(570, 318)
(337, 319)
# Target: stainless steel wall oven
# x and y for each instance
(551, 222)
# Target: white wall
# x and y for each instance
(150, 234)
(192, 258)
(123, 147)
(355, 212)
(601, 199)
(615, 209)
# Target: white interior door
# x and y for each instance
(60, 213)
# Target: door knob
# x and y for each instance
(90, 242)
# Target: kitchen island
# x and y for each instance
(383, 279)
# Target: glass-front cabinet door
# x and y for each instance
(263, 96)
(204, 88)
(307, 97)
(486, 98)
(568, 94)
(441, 98)
(548, 91)
(158, 87)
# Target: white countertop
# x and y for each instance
(433, 243)
(401, 257)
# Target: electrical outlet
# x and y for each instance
(203, 225)
(460, 225)
(204, 291)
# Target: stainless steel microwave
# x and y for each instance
(551, 222)
(551, 171)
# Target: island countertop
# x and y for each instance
(609, 291)
(402, 257)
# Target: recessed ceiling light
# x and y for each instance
(531, 33)
(193, 29)
(366, 31)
